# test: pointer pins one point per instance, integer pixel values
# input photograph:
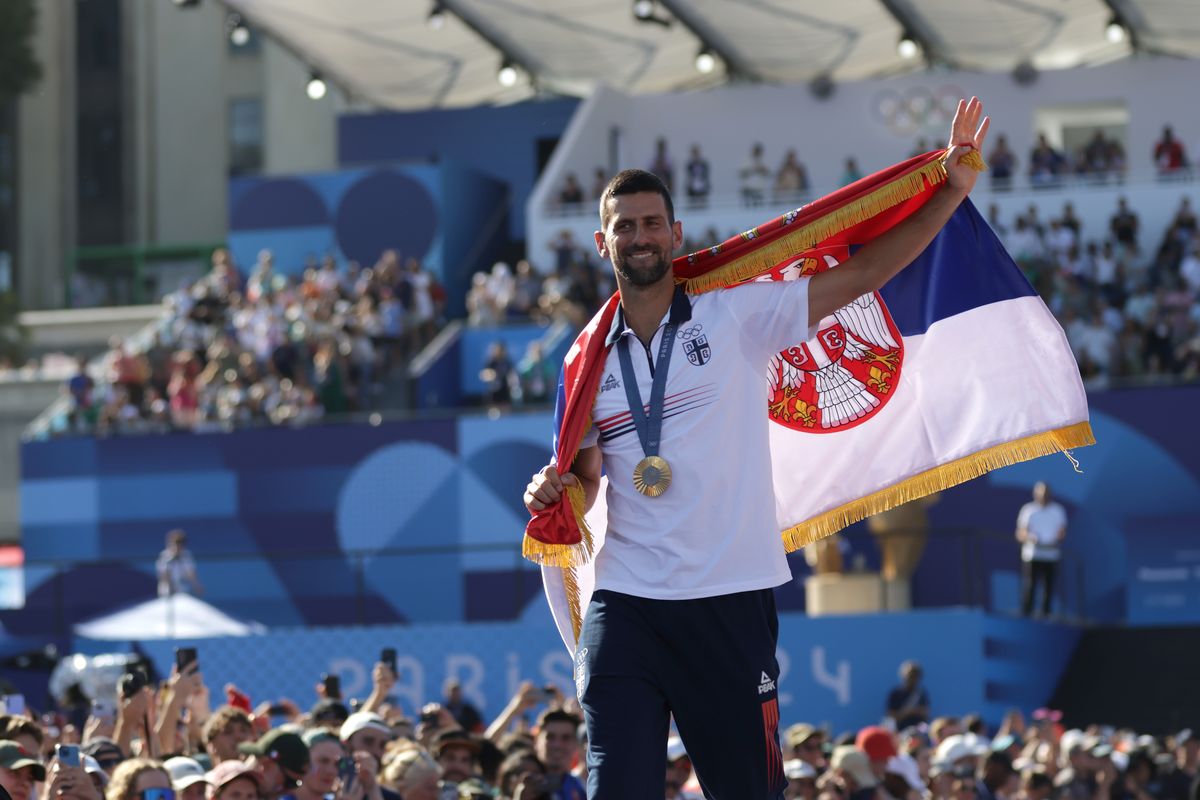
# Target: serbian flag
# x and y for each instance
(954, 368)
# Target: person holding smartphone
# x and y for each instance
(67, 777)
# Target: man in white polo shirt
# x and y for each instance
(682, 621)
(1041, 527)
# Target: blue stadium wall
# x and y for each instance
(508, 153)
(296, 520)
(449, 216)
(833, 670)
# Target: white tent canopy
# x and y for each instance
(385, 54)
(180, 616)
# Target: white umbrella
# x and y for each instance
(179, 616)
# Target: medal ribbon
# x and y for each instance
(649, 425)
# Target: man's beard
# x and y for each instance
(642, 275)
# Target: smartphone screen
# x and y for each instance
(67, 754)
(184, 658)
(333, 687)
(346, 772)
(14, 704)
(388, 656)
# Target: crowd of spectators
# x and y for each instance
(758, 183)
(1101, 159)
(235, 350)
(1130, 308)
(167, 740)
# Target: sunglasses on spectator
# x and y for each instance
(156, 794)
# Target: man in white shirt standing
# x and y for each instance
(1041, 527)
(682, 621)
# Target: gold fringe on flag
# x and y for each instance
(807, 236)
(937, 479)
(571, 585)
(563, 555)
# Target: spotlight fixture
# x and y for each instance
(239, 31)
(1025, 73)
(316, 87)
(647, 11)
(437, 17)
(907, 47)
(706, 62)
(822, 86)
(1115, 31)
(507, 75)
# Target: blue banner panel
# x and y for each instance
(834, 670)
(1164, 572)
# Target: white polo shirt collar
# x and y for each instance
(679, 313)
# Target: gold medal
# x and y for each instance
(652, 476)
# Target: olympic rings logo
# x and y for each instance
(691, 332)
(916, 109)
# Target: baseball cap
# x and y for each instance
(1002, 743)
(362, 721)
(285, 748)
(329, 711)
(14, 756)
(104, 750)
(315, 736)
(906, 767)
(854, 762)
(229, 771)
(876, 742)
(799, 733)
(184, 772)
(454, 737)
(798, 770)
(92, 767)
(959, 746)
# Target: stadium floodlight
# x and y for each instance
(907, 47)
(186, 3)
(1115, 31)
(706, 62)
(239, 31)
(507, 75)
(316, 87)
(646, 11)
(437, 17)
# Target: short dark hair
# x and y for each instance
(558, 715)
(634, 181)
(1038, 779)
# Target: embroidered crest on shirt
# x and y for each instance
(845, 374)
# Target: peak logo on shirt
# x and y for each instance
(610, 382)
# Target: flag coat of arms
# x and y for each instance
(954, 368)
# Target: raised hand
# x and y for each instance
(967, 133)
